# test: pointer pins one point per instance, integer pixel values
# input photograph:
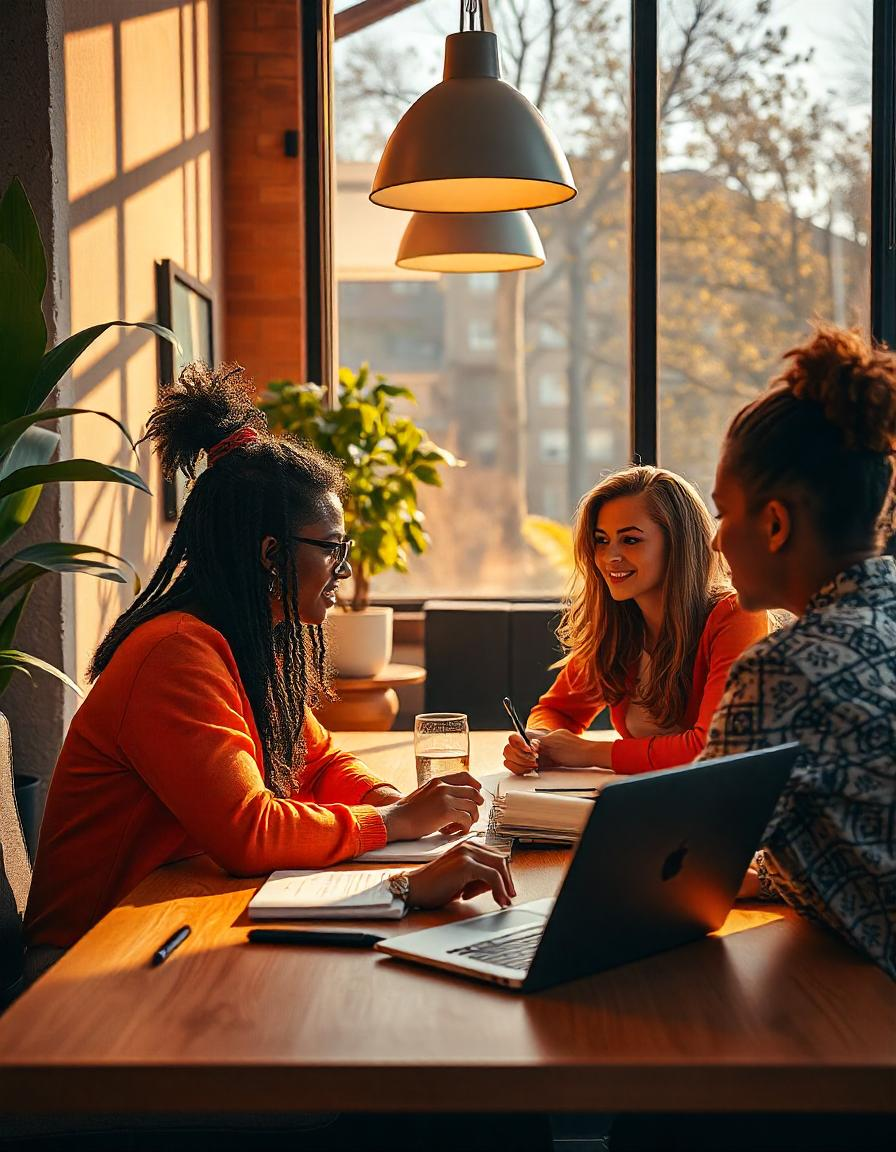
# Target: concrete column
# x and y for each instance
(32, 147)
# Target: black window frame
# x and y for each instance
(317, 42)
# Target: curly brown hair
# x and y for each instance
(826, 431)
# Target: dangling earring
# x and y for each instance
(272, 583)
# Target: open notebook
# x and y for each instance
(303, 895)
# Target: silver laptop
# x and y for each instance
(659, 863)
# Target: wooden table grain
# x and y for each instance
(770, 1014)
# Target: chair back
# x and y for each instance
(15, 875)
(477, 652)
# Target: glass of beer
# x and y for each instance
(441, 744)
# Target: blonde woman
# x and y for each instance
(651, 633)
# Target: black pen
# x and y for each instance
(515, 720)
(321, 937)
(170, 944)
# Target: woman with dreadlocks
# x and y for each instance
(197, 735)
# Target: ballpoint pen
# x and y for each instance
(515, 720)
(517, 724)
(170, 944)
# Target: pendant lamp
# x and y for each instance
(470, 242)
(473, 143)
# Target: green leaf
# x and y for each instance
(396, 390)
(425, 473)
(7, 635)
(69, 470)
(58, 360)
(19, 231)
(11, 620)
(23, 335)
(36, 446)
(10, 433)
(21, 661)
(58, 556)
(21, 578)
(417, 538)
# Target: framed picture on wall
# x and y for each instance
(186, 306)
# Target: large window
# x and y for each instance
(764, 167)
(764, 201)
(537, 414)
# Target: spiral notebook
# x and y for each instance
(551, 807)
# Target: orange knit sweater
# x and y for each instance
(163, 761)
(569, 702)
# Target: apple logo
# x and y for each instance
(674, 861)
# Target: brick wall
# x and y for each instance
(264, 287)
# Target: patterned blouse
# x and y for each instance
(829, 680)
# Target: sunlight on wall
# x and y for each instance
(152, 201)
(153, 230)
(203, 76)
(151, 89)
(95, 290)
(90, 108)
(204, 215)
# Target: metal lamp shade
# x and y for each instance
(473, 143)
(470, 242)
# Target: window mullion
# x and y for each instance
(883, 173)
(644, 237)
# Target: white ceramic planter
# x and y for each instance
(360, 643)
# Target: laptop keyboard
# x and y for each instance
(515, 950)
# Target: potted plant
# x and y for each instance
(31, 373)
(386, 455)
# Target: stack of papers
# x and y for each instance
(326, 896)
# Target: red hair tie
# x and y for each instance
(245, 435)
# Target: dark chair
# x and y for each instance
(477, 652)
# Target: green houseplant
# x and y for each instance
(386, 457)
(30, 374)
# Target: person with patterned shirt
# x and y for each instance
(805, 498)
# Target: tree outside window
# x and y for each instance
(763, 165)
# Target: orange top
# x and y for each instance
(569, 703)
(163, 761)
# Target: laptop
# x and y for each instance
(659, 863)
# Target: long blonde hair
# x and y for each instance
(605, 637)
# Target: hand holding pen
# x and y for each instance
(521, 751)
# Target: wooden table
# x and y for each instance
(370, 703)
(771, 1014)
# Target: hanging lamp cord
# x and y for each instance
(469, 8)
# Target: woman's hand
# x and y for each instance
(447, 804)
(564, 749)
(518, 756)
(464, 872)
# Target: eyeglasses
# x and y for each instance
(339, 549)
